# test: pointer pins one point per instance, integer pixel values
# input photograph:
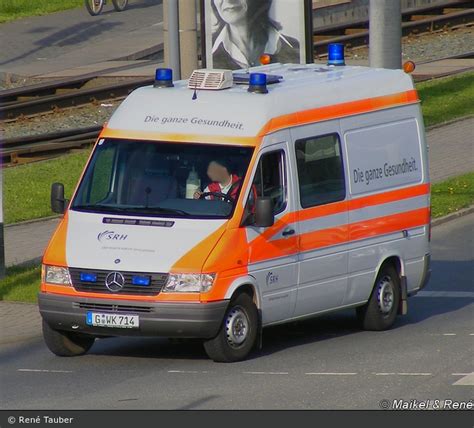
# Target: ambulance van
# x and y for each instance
(215, 207)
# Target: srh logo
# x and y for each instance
(110, 235)
(271, 278)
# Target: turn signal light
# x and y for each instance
(265, 59)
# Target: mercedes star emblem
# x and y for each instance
(114, 281)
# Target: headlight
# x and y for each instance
(189, 282)
(57, 275)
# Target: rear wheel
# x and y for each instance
(65, 343)
(238, 333)
(120, 5)
(380, 312)
(94, 7)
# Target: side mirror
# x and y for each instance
(264, 212)
(58, 203)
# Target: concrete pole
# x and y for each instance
(385, 38)
(2, 239)
(171, 36)
(187, 37)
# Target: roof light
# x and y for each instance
(409, 67)
(336, 54)
(163, 78)
(258, 83)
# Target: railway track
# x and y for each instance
(21, 150)
(414, 21)
(17, 151)
(65, 93)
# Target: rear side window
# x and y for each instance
(320, 170)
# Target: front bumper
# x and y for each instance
(186, 320)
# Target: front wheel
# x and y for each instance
(65, 343)
(380, 312)
(120, 5)
(238, 333)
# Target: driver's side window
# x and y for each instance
(270, 181)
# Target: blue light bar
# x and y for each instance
(163, 78)
(88, 277)
(258, 83)
(336, 54)
(140, 280)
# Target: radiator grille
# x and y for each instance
(157, 282)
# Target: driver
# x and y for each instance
(222, 181)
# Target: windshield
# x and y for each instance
(163, 179)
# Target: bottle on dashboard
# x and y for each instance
(193, 184)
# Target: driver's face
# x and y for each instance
(216, 172)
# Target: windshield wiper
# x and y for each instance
(164, 210)
(141, 209)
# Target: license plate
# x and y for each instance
(112, 320)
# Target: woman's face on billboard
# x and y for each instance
(232, 11)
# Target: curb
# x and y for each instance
(452, 216)
(448, 122)
(33, 221)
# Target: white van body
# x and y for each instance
(343, 152)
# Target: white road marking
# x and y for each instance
(449, 334)
(469, 294)
(467, 380)
(471, 334)
(266, 373)
(460, 374)
(187, 371)
(330, 374)
(45, 371)
(414, 374)
(401, 374)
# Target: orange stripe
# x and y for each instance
(324, 238)
(338, 110)
(168, 297)
(183, 138)
(389, 224)
(391, 196)
(361, 202)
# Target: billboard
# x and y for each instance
(235, 33)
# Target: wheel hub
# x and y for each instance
(237, 326)
(386, 295)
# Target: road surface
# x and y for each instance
(324, 363)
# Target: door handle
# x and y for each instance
(288, 232)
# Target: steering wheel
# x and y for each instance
(220, 195)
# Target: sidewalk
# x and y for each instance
(25, 243)
(19, 321)
(64, 40)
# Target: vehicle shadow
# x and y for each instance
(447, 276)
(132, 5)
(69, 36)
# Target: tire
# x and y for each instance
(241, 319)
(66, 344)
(380, 312)
(120, 5)
(94, 7)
